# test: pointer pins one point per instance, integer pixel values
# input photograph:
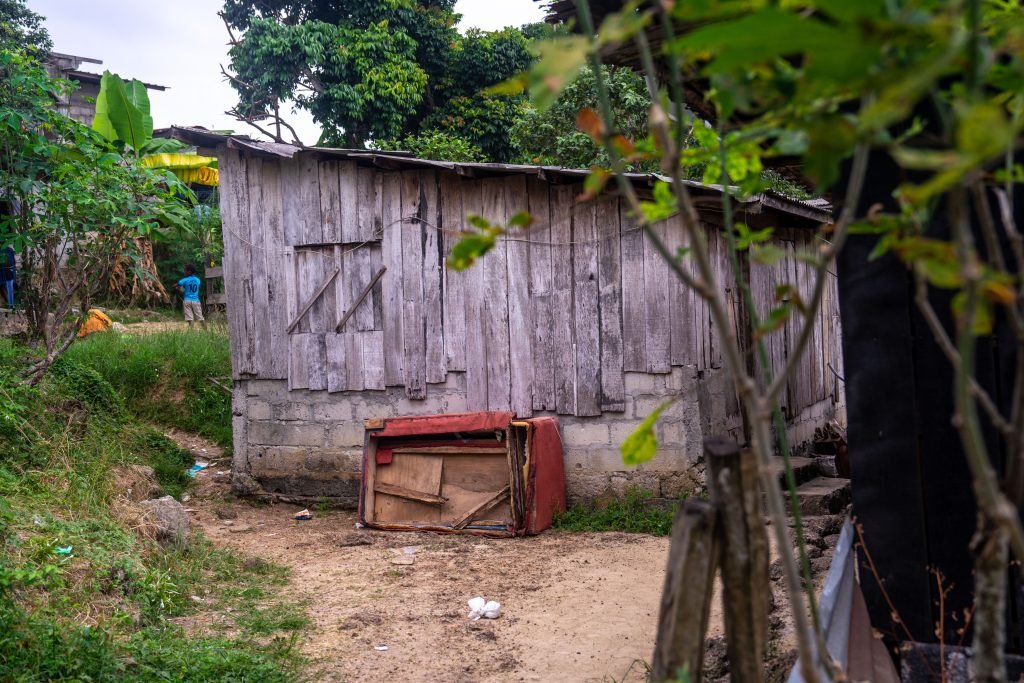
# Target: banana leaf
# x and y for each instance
(198, 176)
(122, 111)
(176, 161)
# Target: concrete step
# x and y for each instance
(804, 469)
(824, 496)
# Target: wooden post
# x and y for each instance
(736, 496)
(686, 599)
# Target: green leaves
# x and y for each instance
(122, 112)
(642, 444)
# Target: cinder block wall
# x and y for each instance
(307, 445)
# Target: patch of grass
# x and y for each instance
(163, 377)
(83, 595)
(635, 512)
(128, 316)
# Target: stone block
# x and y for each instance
(637, 383)
(339, 410)
(286, 434)
(588, 433)
(258, 410)
(349, 434)
(292, 411)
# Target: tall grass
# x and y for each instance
(164, 377)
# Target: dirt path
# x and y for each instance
(577, 607)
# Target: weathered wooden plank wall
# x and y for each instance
(549, 320)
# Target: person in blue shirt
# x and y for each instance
(189, 288)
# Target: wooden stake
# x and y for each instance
(366, 291)
(403, 492)
(686, 598)
(735, 493)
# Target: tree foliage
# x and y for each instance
(375, 70)
(73, 204)
(23, 28)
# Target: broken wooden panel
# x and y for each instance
(543, 322)
(520, 313)
(481, 473)
(391, 210)
(435, 362)
(235, 216)
(586, 300)
(475, 340)
(634, 306)
(452, 216)
(613, 391)
(413, 332)
(563, 198)
(495, 301)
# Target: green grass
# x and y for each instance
(106, 610)
(633, 513)
(163, 377)
(127, 316)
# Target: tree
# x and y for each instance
(21, 27)
(373, 70)
(74, 205)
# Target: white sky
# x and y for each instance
(182, 43)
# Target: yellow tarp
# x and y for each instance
(96, 321)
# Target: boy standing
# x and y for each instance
(189, 288)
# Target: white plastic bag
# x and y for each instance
(478, 607)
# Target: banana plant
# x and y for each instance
(123, 118)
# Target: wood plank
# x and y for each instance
(310, 302)
(543, 351)
(520, 313)
(330, 201)
(298, 364)
(349, 223)
(680, 299)
(475, 339)
(413, 472)
(465, 519)
(359, 299)
(586, 299)
(316, 361)
(259, 242)
(613, 390)
(301, 188)
(377, 296)
(656, 290)
(290, 195)
(452, 450)
(354, 360)
(413, 329)
(563, 197)
(373, 360)
(436, 365)
(370, 224)
(495, 308)
(235, 218)
(277, 265)
(454, 308)
(213, 272)
(634, 307)
(391, 211)
(403, 492)
(337, 373)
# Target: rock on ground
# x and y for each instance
(166, 519)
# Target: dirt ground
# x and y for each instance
(576, 607)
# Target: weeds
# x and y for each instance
(636, 512)
(164, 377)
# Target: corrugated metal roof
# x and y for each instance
(813, 210)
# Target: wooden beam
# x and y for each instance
(451, 450)
(461, 522)
(312, 300)
(214, 271)
(369, 288)
(686, 598)
(735, 493)
(402, 492)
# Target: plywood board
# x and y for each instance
(413, 472)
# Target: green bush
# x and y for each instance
(636, 512)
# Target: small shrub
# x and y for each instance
(636, 512)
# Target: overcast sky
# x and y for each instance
(182, 43)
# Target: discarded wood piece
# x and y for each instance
(736, 496)
(450, 450)
(215, 383)
(312, 300)
(686, 598)
(359, 301)
(403, 492)
(461, 522)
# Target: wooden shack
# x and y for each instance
(341, 308)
